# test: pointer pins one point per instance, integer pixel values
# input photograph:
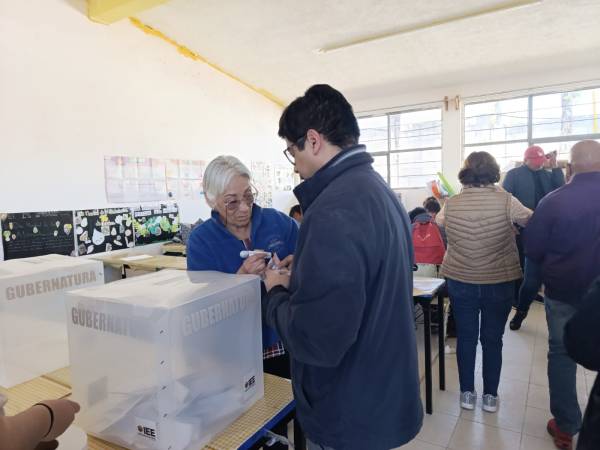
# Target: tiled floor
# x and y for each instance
(520, 422)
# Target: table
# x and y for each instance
(174, 249)
(144, 262)
(248, 432)
(424, 292)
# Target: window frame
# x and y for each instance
(389, 151)
(530, 140)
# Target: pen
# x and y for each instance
(247, 253)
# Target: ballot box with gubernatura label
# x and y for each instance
(165, 360)
(33, 318)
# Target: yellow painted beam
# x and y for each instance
(109, 11)
(188, 53)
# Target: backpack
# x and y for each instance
(428, 243)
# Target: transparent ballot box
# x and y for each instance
(165, 360)
(33, 319)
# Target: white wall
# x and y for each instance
(72, 91)
(371, 103)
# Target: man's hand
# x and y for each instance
(551, 162)
(277, 277)
(253, 265)
(285, 263)
(64, 413)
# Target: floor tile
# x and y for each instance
(472, 435)
(437, 429)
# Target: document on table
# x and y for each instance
(425, 285)
(136, 257)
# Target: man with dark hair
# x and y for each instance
(296, 214)
(345, 313)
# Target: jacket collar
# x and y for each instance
(307, 191)
(585, 177)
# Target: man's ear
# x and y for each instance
(314, 140)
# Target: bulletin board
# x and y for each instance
(155, 223)
(103, 230)
(30, 234)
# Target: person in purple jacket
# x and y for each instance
(563, 237)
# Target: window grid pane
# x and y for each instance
(416, 129)
(503, 120)
(381, 166)
(564, 116)
(414, 168)
(414, 146)
(374, 133)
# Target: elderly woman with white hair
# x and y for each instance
(237, 224)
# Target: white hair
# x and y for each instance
(219, 173)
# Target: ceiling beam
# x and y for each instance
(110, 11)
(506, 6)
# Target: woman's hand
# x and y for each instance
(253, 265)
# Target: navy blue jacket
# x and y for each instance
(347, 318)
(563, 236)
(520, 183)
(211, 246)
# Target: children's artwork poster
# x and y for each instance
(155, 223)
(262, 178)
(37, 233)
(103, 230)
(284, 177)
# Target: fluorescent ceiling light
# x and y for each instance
(431, 24)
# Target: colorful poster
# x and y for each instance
(155, 223)
(37, 233)
(103, 230)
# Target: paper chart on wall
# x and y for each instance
(132, 179)
(103, 230)
(284, 177)
(262, 178)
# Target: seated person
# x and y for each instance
(296, 214)
(237, 224)
(38, 426)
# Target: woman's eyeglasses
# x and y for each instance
(248, 198)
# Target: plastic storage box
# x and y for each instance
(33, 319)
(165, 360)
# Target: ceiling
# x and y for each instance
(272, 44)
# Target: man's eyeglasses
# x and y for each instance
(289, 153)
(248, 198)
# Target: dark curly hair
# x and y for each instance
(432, 205)
(479, 169)
(323, 109)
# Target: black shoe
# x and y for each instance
(517, 320)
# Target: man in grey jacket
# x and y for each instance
(538, 176)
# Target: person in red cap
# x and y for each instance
(538, 176)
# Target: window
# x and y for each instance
(505, 128)
(406, 146)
